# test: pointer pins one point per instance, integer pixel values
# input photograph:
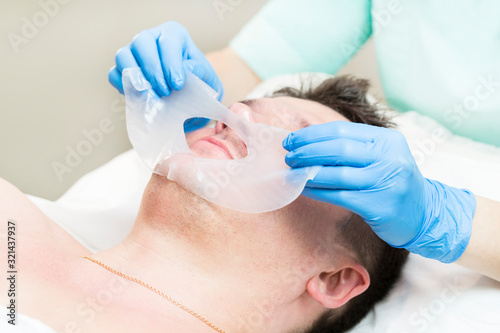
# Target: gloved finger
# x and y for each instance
(343, 178)
(206, 74)
(171, 45)
(195, 123)
(330, 131)
(115, 78)
(196, 68)
(362, 204)
(354, 201)
(332, 152)
(125, 59)
(211, 77)
(145, 50)
(358, 202)
(220, 90)
(341, 198)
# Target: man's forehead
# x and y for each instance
(310, 111)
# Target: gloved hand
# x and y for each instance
(164, 53)
(370, 171)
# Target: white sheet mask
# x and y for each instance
(259, 182)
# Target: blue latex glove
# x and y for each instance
(164, 53)
(370, 171)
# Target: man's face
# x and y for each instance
(289, 113)
(287, 246)
(304, 220)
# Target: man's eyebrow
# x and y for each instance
(253, 104)
(301, 121)
(248, 102)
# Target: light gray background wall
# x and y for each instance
(54, 87)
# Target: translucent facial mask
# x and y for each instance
(259, 182)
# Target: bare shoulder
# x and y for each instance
(27, 238)
(8, 194)
(30, 222)
(16, 208)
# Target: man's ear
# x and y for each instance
(334, 288)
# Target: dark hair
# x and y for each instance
(348, 96)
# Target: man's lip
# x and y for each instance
(218, 143)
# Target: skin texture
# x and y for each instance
(270, 272)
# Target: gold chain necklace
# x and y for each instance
(144, 284)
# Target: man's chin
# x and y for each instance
(173, 192)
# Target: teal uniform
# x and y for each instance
(438, 57)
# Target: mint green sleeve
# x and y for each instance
(291, 36)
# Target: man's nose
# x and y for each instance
(240, 109)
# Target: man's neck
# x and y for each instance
(208, 259)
